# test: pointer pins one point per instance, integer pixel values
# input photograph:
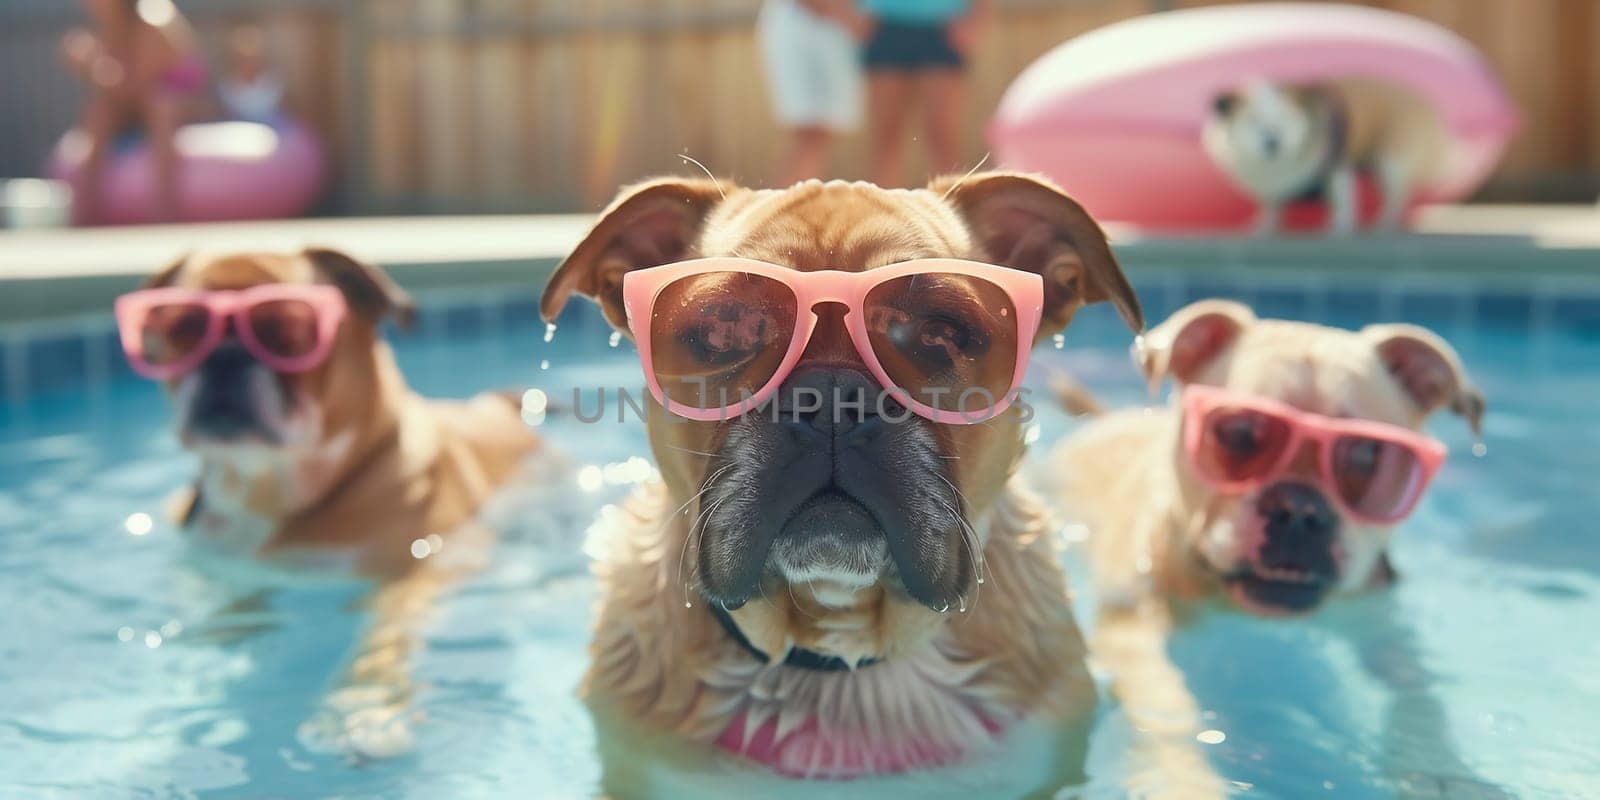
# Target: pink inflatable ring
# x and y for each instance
(1115, 116)
(228, 171)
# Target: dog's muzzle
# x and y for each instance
(1297, 564)
(847, 489)
(227, 405)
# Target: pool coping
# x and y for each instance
(57, 275)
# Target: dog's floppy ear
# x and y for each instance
(647, 225)
(368, 290)
(1026, 223)
(167, 275)
(1190, 339)
(1428, 369)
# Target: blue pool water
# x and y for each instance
(129, 669)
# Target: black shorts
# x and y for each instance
(902, 47)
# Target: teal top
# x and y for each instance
(915, 11)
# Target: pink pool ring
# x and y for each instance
(228, 171)
(1115, 115)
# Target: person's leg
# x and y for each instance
(1344, 202)
(163, 114)
(944, 95)
(103, 118)
(889, 95)
(808, 154)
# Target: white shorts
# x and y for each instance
(813, 67)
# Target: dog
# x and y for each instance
(1282, 143)
(335, 467)
(1161, 539)
(835, 612)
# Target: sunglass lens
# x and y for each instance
(285, 328)
(945, 340)
(1240, 444)
(1376, 478)
(717, 338)
(174, 331)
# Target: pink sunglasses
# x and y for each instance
(1238, 442)
(288, 327)
(948, 339)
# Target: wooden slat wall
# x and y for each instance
(549, 105)
(560, 101)
(584, 95)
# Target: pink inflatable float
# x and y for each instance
(230, 171)
(1115, 115)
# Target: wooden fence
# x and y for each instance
(546, 105)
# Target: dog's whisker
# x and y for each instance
(684, 552)
(692, 451)
(968, 538)
(970, 173)
(696, 162)
(697, 532)
(979, 563)
(810, 584)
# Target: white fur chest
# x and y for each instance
(247, 493)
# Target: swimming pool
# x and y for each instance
(129, 670)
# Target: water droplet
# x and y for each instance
(420, 549)
(534, 404)
(1060, 340)
(980, 580)
(138, 523)
(124, 634)
(616, 338)
(591, 478)
(545, 364)
(1212, 736)
(1480, 449)
(549, 331)
(535, 401)
(687, 604)
(152, 639)
(435, 542)
(172, 628)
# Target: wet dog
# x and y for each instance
(314, 455)
(836, 598)
(1282, 143)
(1162, 536)
(339, 462)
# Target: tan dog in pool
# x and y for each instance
(1161, 537)
(338, 464)
(341, 461)
(889, 604)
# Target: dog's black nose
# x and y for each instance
(1297, 516)
(819, 403)
(222, 407)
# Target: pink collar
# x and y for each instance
(805, 753)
